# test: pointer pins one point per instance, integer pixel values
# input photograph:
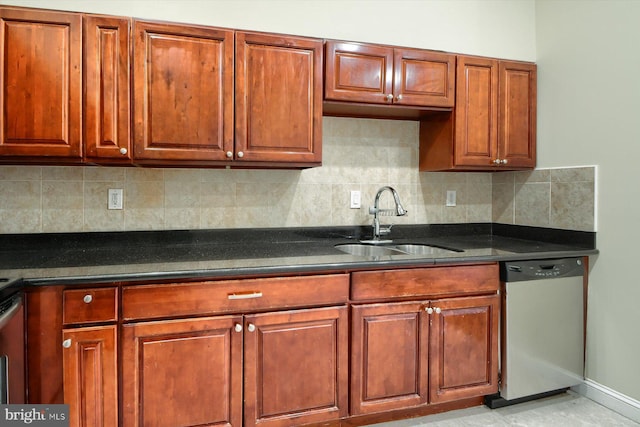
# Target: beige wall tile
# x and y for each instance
(103, 219)
(20, 173)
(62, 220)
(20, 220)
(572, 205)
(62, 195)
(503, 203)
(62, 173)
(21, 195)
(532, 204)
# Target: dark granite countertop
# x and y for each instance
(83, 258)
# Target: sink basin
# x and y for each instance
(424, 249)
(360, 249)
(368, 250)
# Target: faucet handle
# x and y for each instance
(385, 230)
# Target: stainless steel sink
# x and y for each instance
(360, 249)
(368, 250)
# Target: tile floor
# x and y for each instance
(565, 410)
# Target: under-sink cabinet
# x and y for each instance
(438, 347)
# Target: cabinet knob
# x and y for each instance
(437, 310)
(87, 299)
(497, 162)
(123, 151)
(504, 161)
(240, 154)
(251, 327)
(229, 154)
(399, 97)
(389, 97)
(429, 310)
(238, 327)
(66, 343)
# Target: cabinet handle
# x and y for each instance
(251, 327)
(245, 295)
(123, 151)
(238, 327)
(87, 299)
(240, 154)
(399, 97)
(429, 310)
(229, 154)
(389, 98)
(66, 343)
(437, 310)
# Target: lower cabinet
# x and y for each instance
(427, 351)
(292, 366)
(90, 375)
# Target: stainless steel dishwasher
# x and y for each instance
(542, 329)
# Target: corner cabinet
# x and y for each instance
(41, 86)
(493, 126)
(428, 350)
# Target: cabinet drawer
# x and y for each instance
(89, 305)
(425, 282)
(200, 298)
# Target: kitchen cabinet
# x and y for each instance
(278, 99)
(90, 372)
(428, 350)
(493, 126)
(384, 75)
(106, 76)
(193, 370)
(188, 84)
(183, 92)
(41, 84)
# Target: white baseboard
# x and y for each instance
(609, 398)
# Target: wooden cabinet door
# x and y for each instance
(424, 78)
(278, 98)
(518, 99)
(91, 375)
(40, 80)
(182, 372)
(107, 130)
(183, 92)
(388, 357)
(296, 367)
(476, 113)
(463, 348)
(359, 73)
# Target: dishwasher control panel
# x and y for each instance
(516, 271)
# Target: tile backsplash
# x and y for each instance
(358, 154)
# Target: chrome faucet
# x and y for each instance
(378, 230)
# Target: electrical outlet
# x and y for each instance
(115, 198)
(451, 198)
(355, 199)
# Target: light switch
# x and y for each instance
(451, 198)
(355, 199)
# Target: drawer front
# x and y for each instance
(201, 298)
(90, 305)
(425, 282)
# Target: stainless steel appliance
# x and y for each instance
(542, 327)
(12, 372)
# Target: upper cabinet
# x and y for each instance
(493, 126)
(41, 88)
(187, 81)
(106, 75)
(413, 79)
(278, 99)
(183, 92)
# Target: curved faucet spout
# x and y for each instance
(375, 211)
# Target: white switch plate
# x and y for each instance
(115, 198)
(451, 198)
(355, 199)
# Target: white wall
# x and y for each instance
(502, 28)
(589, 114)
